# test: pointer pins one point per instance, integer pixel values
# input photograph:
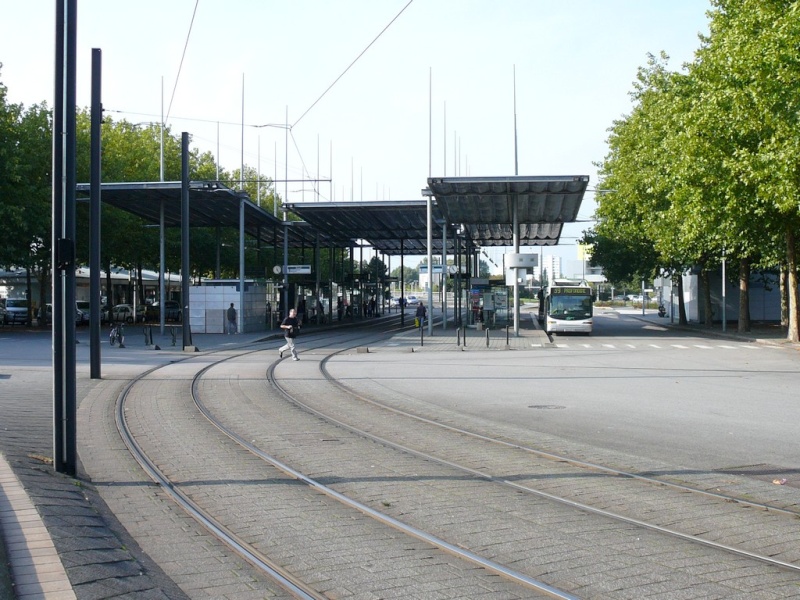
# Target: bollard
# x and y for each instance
(458, 336)
(421, 332)
(487, 337)
(464, 333)
(506, 335)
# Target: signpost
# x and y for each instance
(293, 269)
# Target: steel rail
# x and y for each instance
(405, 528)
(564, 501)
(243, 549)
(555, 457)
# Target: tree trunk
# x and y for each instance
(784, 287)
(744, 295)
(109, 290)
(44, 286)
(708, 309)
(794, 295)
(681, 306)
(28, 294)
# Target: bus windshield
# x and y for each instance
(570, 304)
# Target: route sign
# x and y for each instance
(298, 269)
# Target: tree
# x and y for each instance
(25, 175)
(636, 234)
(748, 73)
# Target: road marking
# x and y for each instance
(703, 347)
(679, 346)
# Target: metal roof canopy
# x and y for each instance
(485, 206)
(211, 204)
(383, 224)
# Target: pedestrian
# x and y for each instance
(291, 327)
(339, 308)
(231, 319)
(422, 314)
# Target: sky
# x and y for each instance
(378, 95)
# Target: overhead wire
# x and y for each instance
(290, 127)
(352, 63)
(180, 66)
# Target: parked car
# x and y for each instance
(45, 315)
(396, 301)
(17, 311)
(83, 312)
(172, 311)
(124, 312)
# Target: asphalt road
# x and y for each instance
(632, 387)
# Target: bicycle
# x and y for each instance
(117, 335)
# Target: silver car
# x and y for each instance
(17, 311)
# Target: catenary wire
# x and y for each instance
(180, 66)
(352, 63)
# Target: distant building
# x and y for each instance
(424, 279)
(550, 267)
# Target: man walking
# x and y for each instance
(422, 314)
(290, 327)
(231, 320)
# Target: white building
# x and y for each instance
(551, 266)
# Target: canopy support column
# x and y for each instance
(515, 225)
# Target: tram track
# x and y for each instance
(306, 396)
(178, 488)
(548, 464)
(767, 525)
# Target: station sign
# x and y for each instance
(293, 269)
(516, 260)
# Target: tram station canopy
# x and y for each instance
(211, 204)
(480, 209)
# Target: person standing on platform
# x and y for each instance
(231, 319)
(291, 327)
(422, 314)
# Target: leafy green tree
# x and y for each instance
(741, 140)
(25, 191)
(11, 208)
(408, 274)
(632, 238)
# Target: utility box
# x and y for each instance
(518, 260)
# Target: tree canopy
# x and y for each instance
(707, 163)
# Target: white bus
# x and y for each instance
(568, 308)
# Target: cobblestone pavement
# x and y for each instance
(99, 556)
